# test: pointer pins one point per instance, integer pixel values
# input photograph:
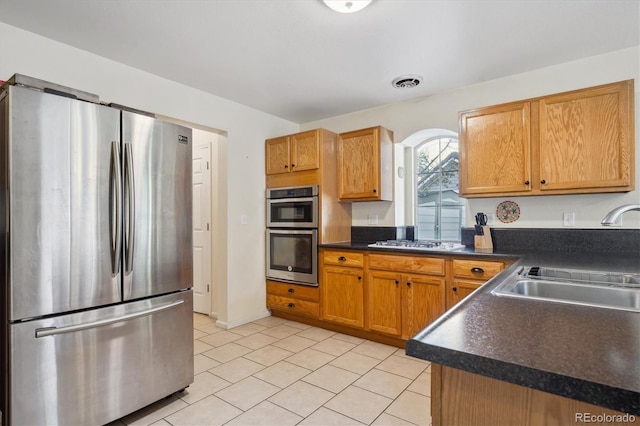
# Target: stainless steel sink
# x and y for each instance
(589, 288)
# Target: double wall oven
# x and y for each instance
(292, 234)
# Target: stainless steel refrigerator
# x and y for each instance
(96, 258)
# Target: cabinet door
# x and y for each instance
(586, 138)
(343, 295)
(359, 164)
(277, 155)
(461, 289)
(305, 151)
(424, 302)
(384, 302)
(495, 145)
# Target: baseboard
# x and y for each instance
(229, 325)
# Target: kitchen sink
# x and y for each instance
(590, 288)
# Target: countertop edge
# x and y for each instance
(622, 400)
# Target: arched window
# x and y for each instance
(439, 210)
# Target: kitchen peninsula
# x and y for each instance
(499, 360)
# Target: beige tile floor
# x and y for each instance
(279, 372)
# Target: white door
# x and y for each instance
(202, 225)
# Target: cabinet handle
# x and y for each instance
(342, 259)
(526, 182)
(359, 278)
(477, 270)
(286, 166)
(293, 165)
(291, 290)
(544, 182)
(375, 190)
(408, 284)
(455, 289)
(397, 282)
(291, 305)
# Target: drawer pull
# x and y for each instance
(408, 284)
(291, 305)
(291, 290)
(477, 270)
(342, 259)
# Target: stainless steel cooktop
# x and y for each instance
(427, 245)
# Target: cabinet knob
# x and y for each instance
(455, 289)
(359, 278)
(477, 270)
(526, 182)
(293, 165)
(286, 166)
(291, 305)
(408, 284)
(544, 182)
(375, 190)
(397, 282)
(291, 290)
(342, 259)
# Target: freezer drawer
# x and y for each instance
(97, 366)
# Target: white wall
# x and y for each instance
(243, 294)
(441, 111)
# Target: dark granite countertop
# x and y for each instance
(584, 353)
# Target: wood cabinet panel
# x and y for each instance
(415, 264)
(495, 148)
(424, 302)
(296, 306)
(365, 165)
(584, 139)
(277, 155)
(478, 269)
(343, 295)
(343, 258)
(305, 151)
(293, 290)
(461, 289)
(384, 302)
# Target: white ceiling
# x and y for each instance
(299, 60)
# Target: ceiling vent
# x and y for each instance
(407, 81)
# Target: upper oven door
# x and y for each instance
(292, 213)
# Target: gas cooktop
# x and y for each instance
(420, 245)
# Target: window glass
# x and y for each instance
(439, 208)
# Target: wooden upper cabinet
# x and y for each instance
(575, 142)
(495, 147)
(293, 153)
(586, 139)
(365, 165)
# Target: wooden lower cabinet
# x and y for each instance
(424, 302)
(466, 275)
(343, 295)
(384, 302)
(462, 398)
(293, 298)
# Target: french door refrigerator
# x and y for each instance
(96, 258)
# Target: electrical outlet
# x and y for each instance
(568, 219)
(243, 219)
(373, 219)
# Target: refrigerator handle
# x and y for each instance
(52, 331)
(131, 208)
(115, 219)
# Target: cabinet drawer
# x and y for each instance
(343, 258)
(415, 264)
(480, 269)
(295, 306)
(293, 291)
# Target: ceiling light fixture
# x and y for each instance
(347, 6)
(405, 81)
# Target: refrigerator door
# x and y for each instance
(93, 367)
(62, 203)
(158, 240)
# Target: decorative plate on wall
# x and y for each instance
(508, 211)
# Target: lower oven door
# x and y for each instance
(292, 255)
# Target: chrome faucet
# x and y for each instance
(614, 214)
